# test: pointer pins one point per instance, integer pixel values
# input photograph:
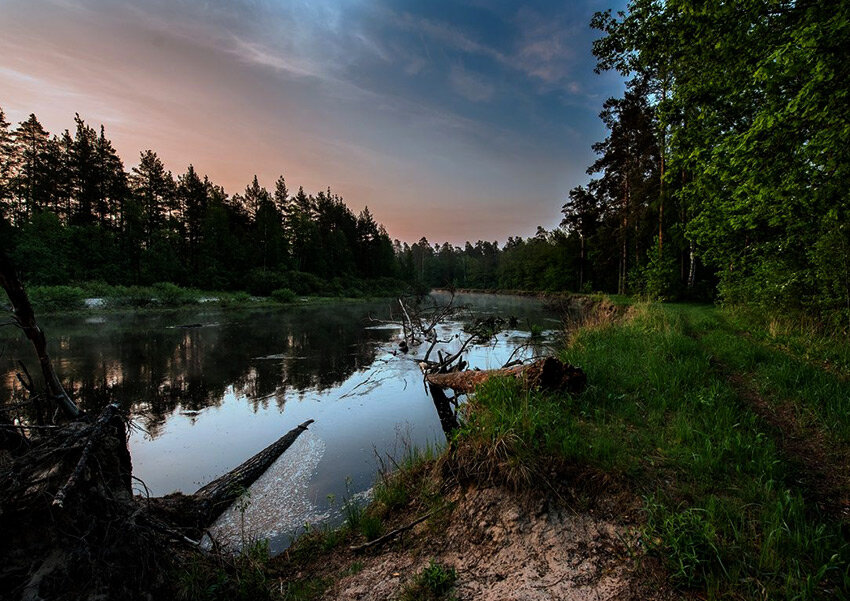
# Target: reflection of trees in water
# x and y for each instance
(152, 369)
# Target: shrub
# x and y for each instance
(284, 295)
(371, 526)
(262, 282)
(56, 298)
(132, 296)
(170, 294)
(306, 283)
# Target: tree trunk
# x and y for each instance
(216, 496)
(581, 266)
(547, 374)
(25, 318)
(197, 511)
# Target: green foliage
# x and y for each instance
(47, 299)
(372, 526)
(171, 295)
(243, 577)
(284, 295)
(351, 509)
(659, 277)
(395, 489)
(434, 582)
(724, 507)
(261, 282)
(751, 105)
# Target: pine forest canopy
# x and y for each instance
(724, 171)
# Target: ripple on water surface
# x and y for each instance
(277, 504)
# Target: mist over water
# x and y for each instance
(205, 398)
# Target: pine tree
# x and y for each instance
(31, 147)
(7, 166)
(85, 174)
(193, 200)
(155, 189)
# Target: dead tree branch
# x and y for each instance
(25, 319)
(391, 534)
(94, 436)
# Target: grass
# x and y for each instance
(433, 583)
(721, 503)
(220, 577)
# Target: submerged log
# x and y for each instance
(547, 374)
(216, 496)
(197, 511)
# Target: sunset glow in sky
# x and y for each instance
(459, 120)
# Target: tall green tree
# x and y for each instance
(155, 190)
(31, 181)
(7, 166)
(193, 201)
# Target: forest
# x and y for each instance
(723, 176)
(75, 214)
(696, 450)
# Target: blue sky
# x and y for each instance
(453, 120)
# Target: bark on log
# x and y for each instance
(25, 318)
(215, 497)
(547, 374)
(94, 436)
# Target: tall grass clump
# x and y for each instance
(406, 480)
(434, 582)
(219, 577)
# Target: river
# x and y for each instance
(207, 388)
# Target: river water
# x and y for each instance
(206, 397)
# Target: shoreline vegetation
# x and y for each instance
(100, 297)
(707, 458)
(713, 443)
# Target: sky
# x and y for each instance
(461, 120)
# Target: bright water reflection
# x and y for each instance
(207, 397)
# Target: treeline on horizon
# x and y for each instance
(74, 214)
(724, 174)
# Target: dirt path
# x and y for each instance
(821, 467)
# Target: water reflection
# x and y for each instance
(211, 396)
(151, 366)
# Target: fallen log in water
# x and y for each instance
(547, 374)
(216, 496)
(197, 511)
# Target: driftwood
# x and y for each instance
(547, 374)
(99, 428)
(25, 319)
(199, 510)
(391, 534)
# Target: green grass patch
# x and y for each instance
(722, 506)
(220, 577)
(433, 583)
(820, 397)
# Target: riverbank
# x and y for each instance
(615, 299)
(94, 297)
(699, 444)
(707, 458)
